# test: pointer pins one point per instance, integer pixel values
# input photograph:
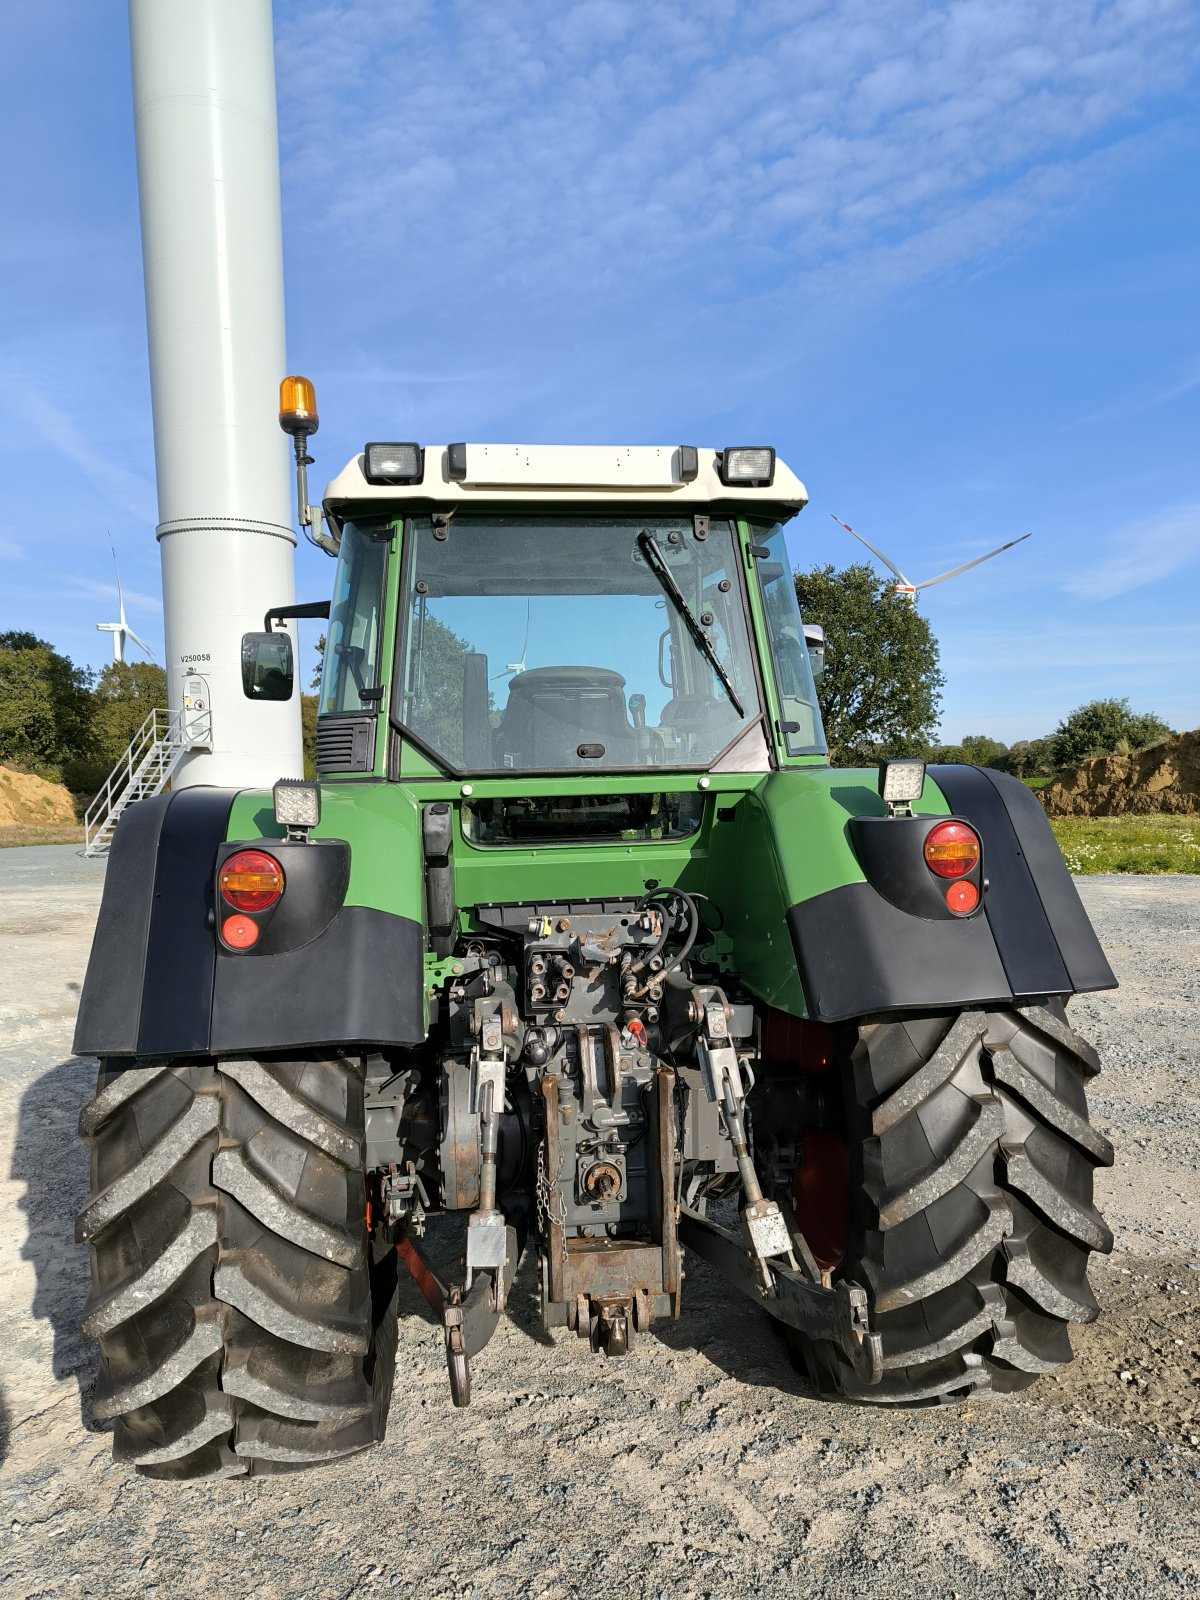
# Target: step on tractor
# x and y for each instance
(577, 934)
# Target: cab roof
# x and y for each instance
(518, 474)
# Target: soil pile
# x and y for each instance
(29, 802)
(1164, 777)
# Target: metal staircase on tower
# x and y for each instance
(144, 770)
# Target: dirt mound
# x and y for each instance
(1165, 777)
(29, 802)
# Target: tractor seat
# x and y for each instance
(551, 711)
(697, 714)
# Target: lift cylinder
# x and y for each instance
(208, 178)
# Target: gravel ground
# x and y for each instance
(701, 1466)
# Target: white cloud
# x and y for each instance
(1184, 382)
(135, 599)
(1146, 551)
(33, 412)
(485, 154)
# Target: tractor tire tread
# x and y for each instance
(974, 1217)
(232, 1294)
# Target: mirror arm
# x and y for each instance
(308, 608)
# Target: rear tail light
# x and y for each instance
(251, 880)
(962, 897)
(952, 849)
(239, 932)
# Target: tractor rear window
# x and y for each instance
(572, 818)
(580, 643)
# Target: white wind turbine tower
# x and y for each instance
(909, 590)
(121, 630)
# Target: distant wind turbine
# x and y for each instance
(514, 667)
(121, 630)
(909, 590)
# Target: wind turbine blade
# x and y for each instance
(142, 645)
(120, 595)
(890, 565)
(967, 565)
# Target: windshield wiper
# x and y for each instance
(653, 557)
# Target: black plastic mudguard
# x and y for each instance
(859, 953)
(157, 983)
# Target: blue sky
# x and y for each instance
(944, 256)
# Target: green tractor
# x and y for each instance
(576, 933)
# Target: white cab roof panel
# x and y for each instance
(525, 474)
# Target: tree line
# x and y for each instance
(66, 722)
(882, 687)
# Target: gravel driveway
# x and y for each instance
(701, 1466)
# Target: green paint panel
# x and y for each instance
(382, 825)
(766, 842)
(787, 843)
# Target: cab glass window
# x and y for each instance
(350, 679)
(800, 714)
(575, 642)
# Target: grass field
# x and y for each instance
(57, 833)
(1129, 844)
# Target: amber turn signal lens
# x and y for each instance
(952, 849)
(962, 897)
(239, 933)
(298, 406)
(251, 880)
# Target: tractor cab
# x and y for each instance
(559, 610)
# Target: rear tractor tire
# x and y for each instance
(970, 1219)
(231, 1286)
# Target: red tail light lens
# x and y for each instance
(251, 880)
(238, 932)
(962, 897)
(952, 849)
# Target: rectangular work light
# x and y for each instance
(748, 466)
(393, 463)
(297, 803)
(901, 782)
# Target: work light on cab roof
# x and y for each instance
(467, 470)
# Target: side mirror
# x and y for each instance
(267, 670)
(814, 638)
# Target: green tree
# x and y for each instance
(1031, 758)
(947, 755)
(881, 688)
(980, 750)
(1099, 727)
(308, 733)
(125, 694)
(45, 704)
(976, 750)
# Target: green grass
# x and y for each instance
(52, 833)
(1129, 844)
(1037, 783)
